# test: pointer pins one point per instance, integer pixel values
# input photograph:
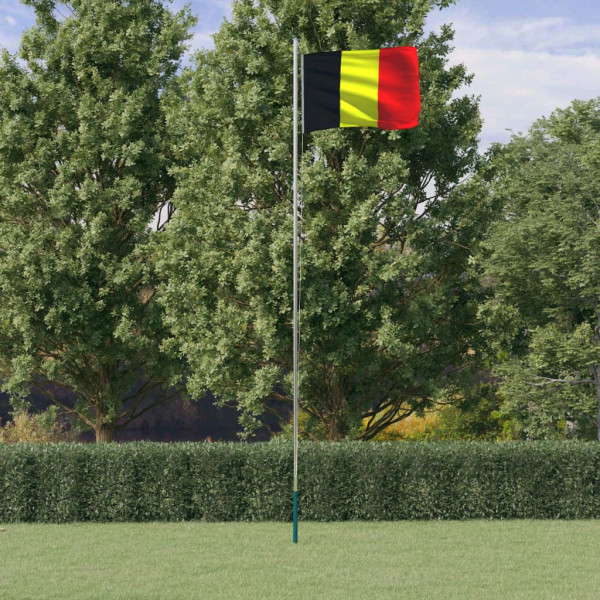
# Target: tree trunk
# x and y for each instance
(336, 400)
(104, 432)
(333, 429)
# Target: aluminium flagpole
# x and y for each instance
(295, 292)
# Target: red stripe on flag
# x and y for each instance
(399, 98)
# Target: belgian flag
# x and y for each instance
(361, 88)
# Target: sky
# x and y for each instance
(529, 57)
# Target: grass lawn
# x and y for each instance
(482, 560)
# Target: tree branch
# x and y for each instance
(552, 381)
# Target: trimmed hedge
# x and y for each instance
(253, 482)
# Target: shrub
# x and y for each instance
(41, 427)
(252, 482)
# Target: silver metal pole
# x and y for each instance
(295, 292)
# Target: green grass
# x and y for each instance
(483, 560)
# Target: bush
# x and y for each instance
(253, 482)
(477, 416)
(41, 427)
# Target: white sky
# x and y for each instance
(528, 56)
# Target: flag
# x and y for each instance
(361, 88)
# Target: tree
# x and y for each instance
(84, 159)
(541, 265)
(387, 318)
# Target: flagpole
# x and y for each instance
(295, 292)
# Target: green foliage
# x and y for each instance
(40, 427)
(387, 314)
(253, 482)
(476, 416)
(541, 263)
(84, 159)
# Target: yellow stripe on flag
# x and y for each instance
(359, 85)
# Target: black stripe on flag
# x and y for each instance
(321, 90)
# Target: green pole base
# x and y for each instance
(295, 527)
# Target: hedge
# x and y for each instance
(253, 482)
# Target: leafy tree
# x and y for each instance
(387, 316)
(84, 158)
(541, 263)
